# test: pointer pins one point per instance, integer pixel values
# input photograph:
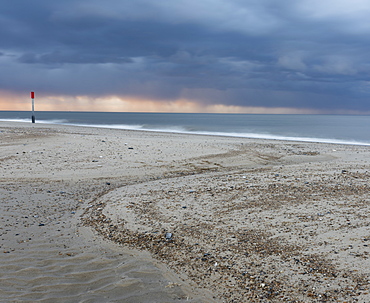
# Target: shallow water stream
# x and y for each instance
(47, 257)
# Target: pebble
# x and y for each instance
(227, 257)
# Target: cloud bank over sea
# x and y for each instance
(306, 56)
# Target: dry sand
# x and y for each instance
(216, 219)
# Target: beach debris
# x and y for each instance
(41, 224)
(107, 183)
(168, 236)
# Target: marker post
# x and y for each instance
(33, 107)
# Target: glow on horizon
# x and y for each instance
(12, 102)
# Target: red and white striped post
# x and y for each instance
(33, 106)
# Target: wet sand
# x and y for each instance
(126, 216)
(49, 175)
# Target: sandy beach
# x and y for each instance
(105, 215)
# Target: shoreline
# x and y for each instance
(182, 131)
(245, 218)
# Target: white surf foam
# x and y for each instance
(183, 130)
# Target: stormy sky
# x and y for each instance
(186, 55)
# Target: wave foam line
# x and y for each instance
(181, 130)
(285, 138)
(54, 121)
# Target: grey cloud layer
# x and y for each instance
(248, 53)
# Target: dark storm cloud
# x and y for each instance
(309, 54)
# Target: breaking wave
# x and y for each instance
(188, 130)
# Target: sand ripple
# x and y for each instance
(59, 261)
(82, 276)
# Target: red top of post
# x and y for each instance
(32, 95)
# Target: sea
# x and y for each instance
(339, 129)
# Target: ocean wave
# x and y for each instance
(284, 138)
(188, 130)
(113, 126)
(184, 130)
(52, 121)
